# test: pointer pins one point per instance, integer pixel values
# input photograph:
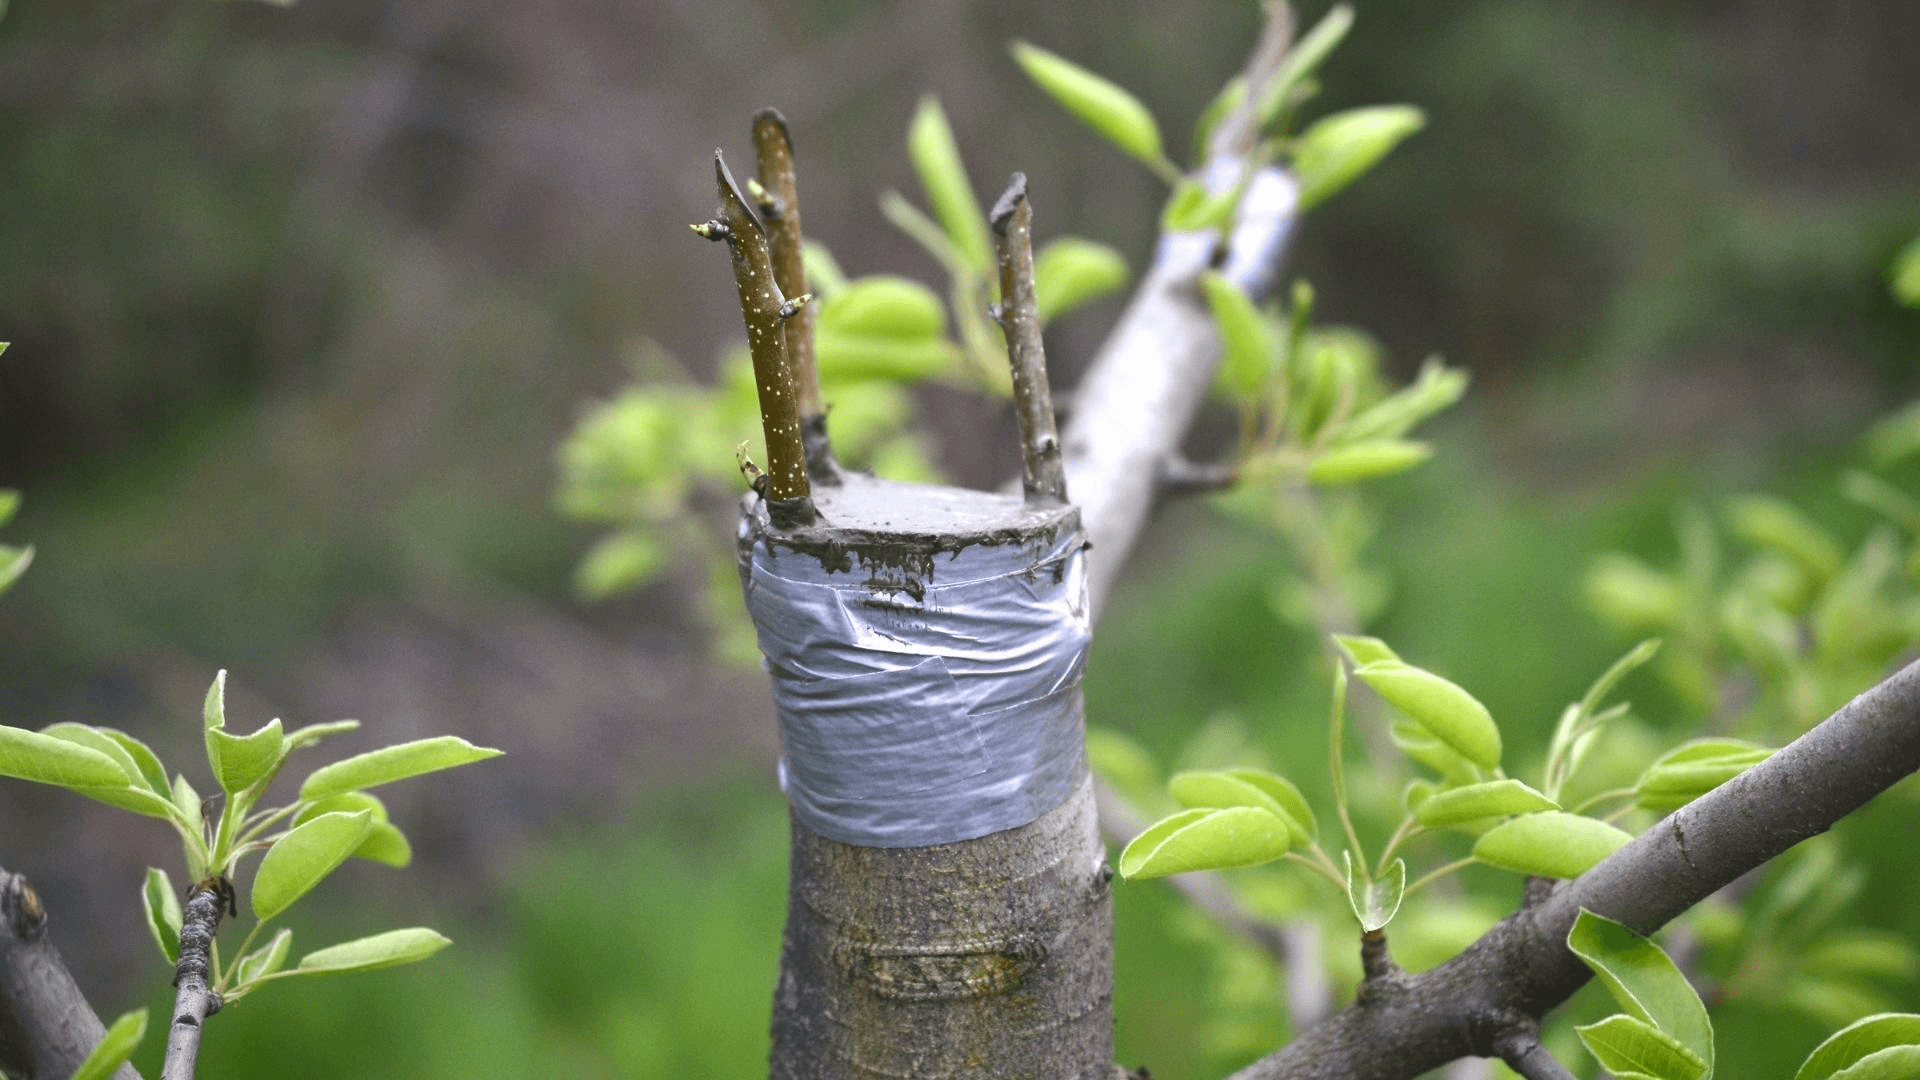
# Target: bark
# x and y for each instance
(1012, 219)
(46, 1026)
(194, 999)
(1522, 968)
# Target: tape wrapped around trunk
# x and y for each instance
(926, 698)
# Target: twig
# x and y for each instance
(195, 1000)
(778, 199)
(1180, 476)
(764, 307)
(1522, 1052)
(46, 1026)
(1012, 218)
(1375, 961)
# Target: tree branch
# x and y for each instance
(195, 1000)
(1522, 968)
(779, 200)
(1522, 1052)
(46, 1026)
(1012, 221)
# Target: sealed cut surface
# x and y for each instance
(885, 517)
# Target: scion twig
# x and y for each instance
(1043, 473)
(196, 999)
(777, 198)
(765, 307)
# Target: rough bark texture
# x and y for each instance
(773, 147)
(1475, 1003)
(1012, 220)
(986, 958)
(194, 999)
(46, 1026)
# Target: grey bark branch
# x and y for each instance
(46, 1026)
(195, 999)
(1522, 1052)
(1522, 967)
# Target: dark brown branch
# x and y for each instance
(762, 305)
(46, 1026)
(195, 999)
(778, 197)
(1522, 967)
(1522, 1052)
(1044, 477)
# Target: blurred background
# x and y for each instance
(303, 300)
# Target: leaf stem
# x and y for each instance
(1323, 866)
(1604, 796)
(1437, 874)
(1409, 828)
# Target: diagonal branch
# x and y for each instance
(1522, 968)
(46, 1026)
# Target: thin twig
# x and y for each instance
(195, 999)
(764, 307)
(1044, 476)
(778, 197)
(1523, 1053)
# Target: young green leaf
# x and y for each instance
(936, 157)
(13, 563)
(264, 960)
(115, 1047)
(1894, 437)
(1452, 715)
(1904, 275)
(1250, 353)
(313, 733)
(1364, 650)
(48, 759)
(1644, 980)
(1628, 1047)
(1282, 791)
(1694, 768)
(1206, 840)
(301, 859)
(146, 763)
(372, 953)
(392, 763)
(1375, 903)
(1121, 761)
(1629, 593)
(883, 327)
(162, 903)
(1103, 106)
(1218, 790)
(241, 761)
(95, 739)
(9, 498)
(1858, 951)
(1223, 103)
(1420, 746)
(621, 560)
(1893, 1063)
(214, 711)
(1301, 60)
(1619, 669)
(1351, 463)
(1192, 207)
(1858, 1041)
(1338, 149)
(1771, 523)
(1549, 844)
(1436, 388)
(1069, 272)
(1478, 802)
(386, 844)
(187, 802)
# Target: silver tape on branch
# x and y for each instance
(925, 698)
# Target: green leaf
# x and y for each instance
(1452, 715)
(1352, 463)
(1364, 650)
(49, 759)
(9, 498)
(1250, 354)
(264, 960)
(624, 560)
(1629, 593)
(13, 563)
(146, 763)
(241, 761)
(1069, 272)
(1893, 1063)
(1477, 802)
(1122, 761)
(1206, 840)
(1103, 106)
(162, 902)
(1550, 844)
(1218, 790)
(1281, 790)
(304, 857)
(131, 792)
(1437, 387)
(372, 953)
(1301, 60)
(1223, 103)
(1767, 522)
(385, 844)
(1375, 903)
(1192, 207)
(188, 802)
(1894, 437)
(885, 306)
(1694, 768)
(1620, 669)
(1338, 149)
(936, 157)
(313, 733)
(1644, 980)
(214, 712)
(1859, 951)
(1626, 1046)
(1858, 1041)
(115, 1047)
(392, 763)
(1904, 275)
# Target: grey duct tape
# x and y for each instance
(932, 702)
